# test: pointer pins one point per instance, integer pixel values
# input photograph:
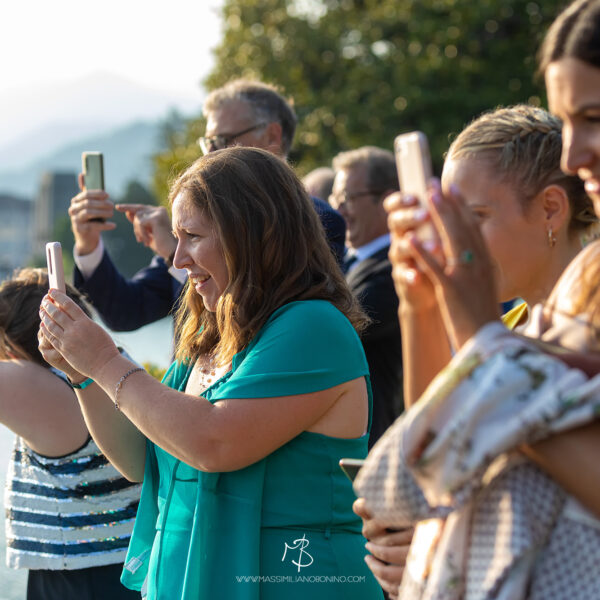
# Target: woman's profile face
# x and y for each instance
(573, 89)
(199, 251)
(516, 239)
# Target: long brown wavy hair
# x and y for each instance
(274, 246)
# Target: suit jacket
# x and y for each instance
(151, 294)
(371, 281)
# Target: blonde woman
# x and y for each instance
(533, 218)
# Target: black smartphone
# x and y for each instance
(351, 466)
(92, 165)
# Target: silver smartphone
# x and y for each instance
(92, 165)
(413, 162)
(351, 466)
(56, 273)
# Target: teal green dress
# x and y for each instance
(282, 527)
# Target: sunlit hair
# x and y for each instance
(380, 166)
(522, 144)
(274, 246)
(265, 101)
(575, 33)
(20, 299)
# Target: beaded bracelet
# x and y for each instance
(120, 384)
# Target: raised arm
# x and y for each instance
(120, 441)
(425, 348)
(227, 435)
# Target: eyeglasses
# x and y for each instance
(346, 199)
(218, 142)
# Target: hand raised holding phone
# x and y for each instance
(91, 209)
(54, 260)
(408, 217)
(413, 162)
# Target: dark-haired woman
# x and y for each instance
(69, 513)
(243, 496)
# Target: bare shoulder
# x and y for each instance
(40, 407)
(27, 375)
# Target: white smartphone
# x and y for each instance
(351, 466)
(56, 273)
(413, 162)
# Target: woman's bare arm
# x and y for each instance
(571, 459)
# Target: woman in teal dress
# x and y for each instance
(242, 494)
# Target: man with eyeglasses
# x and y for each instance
(242, 112)
(363, 178)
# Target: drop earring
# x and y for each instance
(551, 238)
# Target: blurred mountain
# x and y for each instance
(37, 120)
(127, 156)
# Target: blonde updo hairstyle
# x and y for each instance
(522, 144)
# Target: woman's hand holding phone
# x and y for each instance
(405, 216)
(85, 345)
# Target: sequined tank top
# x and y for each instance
(70, 512)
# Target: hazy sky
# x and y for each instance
(164, 44)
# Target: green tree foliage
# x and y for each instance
(362, 71)
(179, 138)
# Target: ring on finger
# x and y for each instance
(466, 257)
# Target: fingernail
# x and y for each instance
(368, 546)
(454, 189)
(429, 245)
(437, 198)
(410, 276)
(420, 214)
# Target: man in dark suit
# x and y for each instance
(363, 178)
(242, 112)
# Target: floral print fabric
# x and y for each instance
(491, 525)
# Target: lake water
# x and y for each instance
(148, 344)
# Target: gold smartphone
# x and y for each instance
(413, 162)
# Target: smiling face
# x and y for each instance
(360, 206)
(573, 95)
(199, 251)
(516, 239)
